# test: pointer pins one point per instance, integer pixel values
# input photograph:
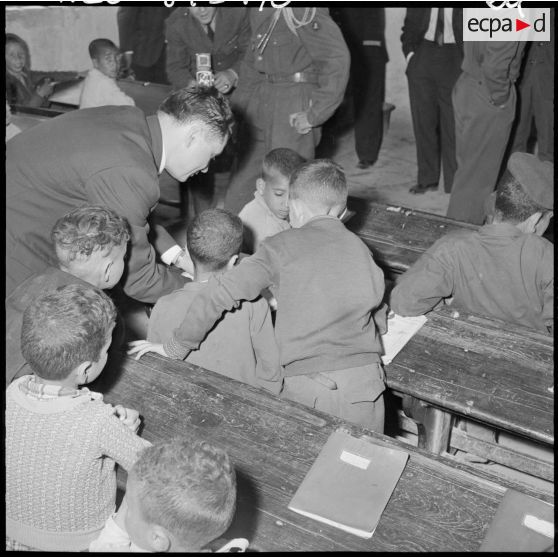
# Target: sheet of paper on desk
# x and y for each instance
(399, 331)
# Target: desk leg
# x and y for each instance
(434, 425)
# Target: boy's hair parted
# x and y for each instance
(213, 237)
(320, 183)
(512, 202)
(87, 229)
(188, 487)
(203, 104)
(282, 159)
(66, 328)
(97, 45)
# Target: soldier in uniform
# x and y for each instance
(291, 81)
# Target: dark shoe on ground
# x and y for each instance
(365, 163)
(420, 189)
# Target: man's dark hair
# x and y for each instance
(320, 183)
(512, 202)
(214, 236)
(202, 104)
(65, 328)
(283, 160)
(97, 45)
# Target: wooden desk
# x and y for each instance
(147, 96)
(398, 238)
(438, 506)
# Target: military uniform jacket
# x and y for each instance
(186, 37)
(105, 156)
(316, 47)
(497, 271)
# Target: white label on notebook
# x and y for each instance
(545, 528)
(356, 460)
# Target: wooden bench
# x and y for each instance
(437, 506)
(398, 236)
(492, 372)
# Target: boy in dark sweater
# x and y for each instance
(327, 288)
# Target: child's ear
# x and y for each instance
(260, 186)
(95, 63)
(107, 268)
(159, 537)
(232, 261)
(82, 371)
(531, 224)
(543, 222)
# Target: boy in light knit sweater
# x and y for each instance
(90, 245)
(62, 441)
(100, 87)
(328, 289)
(180, 496)
(268, 213)
(242, 345)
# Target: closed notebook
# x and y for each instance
(350, 484)
(521, 524)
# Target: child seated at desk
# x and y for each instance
(62, 441)
(504, 270)
(242, 345)
(180, 496)
(100, 87)
(328, 289)
(90, 246)
(268, 213)
(23, 86)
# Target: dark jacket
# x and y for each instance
(186, 37)
(416, 23)
(142, 30)
(108, 156)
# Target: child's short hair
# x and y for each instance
(96, 46)
(66, 328)
(320, 183)
(512, 202)
(283, 160)
(213, 237)
(188, 487)
(87, 229)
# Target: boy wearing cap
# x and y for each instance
(505, 269)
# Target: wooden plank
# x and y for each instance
(482, 369)
(398, 238)
(435, 507)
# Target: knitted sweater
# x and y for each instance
(60, 457)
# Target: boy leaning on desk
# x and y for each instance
(329, 345)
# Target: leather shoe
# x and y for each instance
(420, 189)
(365, 163)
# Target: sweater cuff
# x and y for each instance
(175, 350)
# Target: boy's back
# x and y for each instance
(241, 345)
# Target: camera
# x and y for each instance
(204, 73)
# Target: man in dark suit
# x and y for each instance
(536, 97)
(363, 29)
(432, 42)
(142, 40)
(109, 156)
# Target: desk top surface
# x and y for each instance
(437, 505)
(491, 371)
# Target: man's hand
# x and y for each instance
(185, 263)
(299, 121)
(225, 81)
(139, 348)
(129, 417)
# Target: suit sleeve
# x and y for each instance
(496, 68)
(179, 56)
(409, 31)
(126, 19)
(244, 282)
(328, 50)
(424, 284)
(122, 190)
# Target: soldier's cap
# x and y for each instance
(535, 176)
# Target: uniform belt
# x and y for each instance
(297, 77)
